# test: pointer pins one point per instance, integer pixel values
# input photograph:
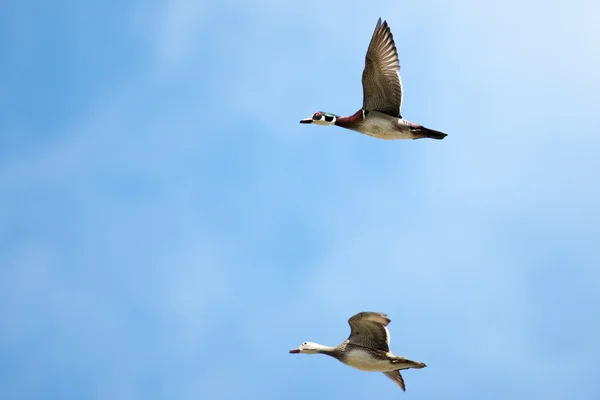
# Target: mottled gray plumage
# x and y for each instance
(396, 376)
(367, 348)
(368, 329)
(382, 87)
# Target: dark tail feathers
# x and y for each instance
(405, 363)
(422, 132)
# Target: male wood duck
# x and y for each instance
(382, 96)
(367, 348)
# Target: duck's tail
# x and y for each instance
(422, 132)
(402, 363)
(405, 363)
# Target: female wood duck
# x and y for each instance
(382, 96)
(367, 348)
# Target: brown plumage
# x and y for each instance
(396, 376)
(382, 88)
(367, 348)
(380, 115)
(368, 329)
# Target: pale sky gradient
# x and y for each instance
(168, 230)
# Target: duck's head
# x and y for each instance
(307, 348)
(320, 118)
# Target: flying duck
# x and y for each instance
(367, 348)
(382, 96)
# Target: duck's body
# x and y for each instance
(384, 126)
(372, 360)
(367, 348)
(380, 115)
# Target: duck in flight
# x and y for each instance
(382, 96)
(367, 348)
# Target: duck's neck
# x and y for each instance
(352, 121)
(335, 352)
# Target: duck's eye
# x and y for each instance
(317, 116)
(329, 118)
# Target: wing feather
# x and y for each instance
(369, 329)
(396, 376)
(382, 87)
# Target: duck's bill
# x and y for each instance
(294, 351)
(306, 121)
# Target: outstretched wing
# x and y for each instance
(368, 329)
(396, 376)
(382, 87)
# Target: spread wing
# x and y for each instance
(368, 329)
(397, 378)
(382, 88)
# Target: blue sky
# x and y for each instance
(169, 230)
